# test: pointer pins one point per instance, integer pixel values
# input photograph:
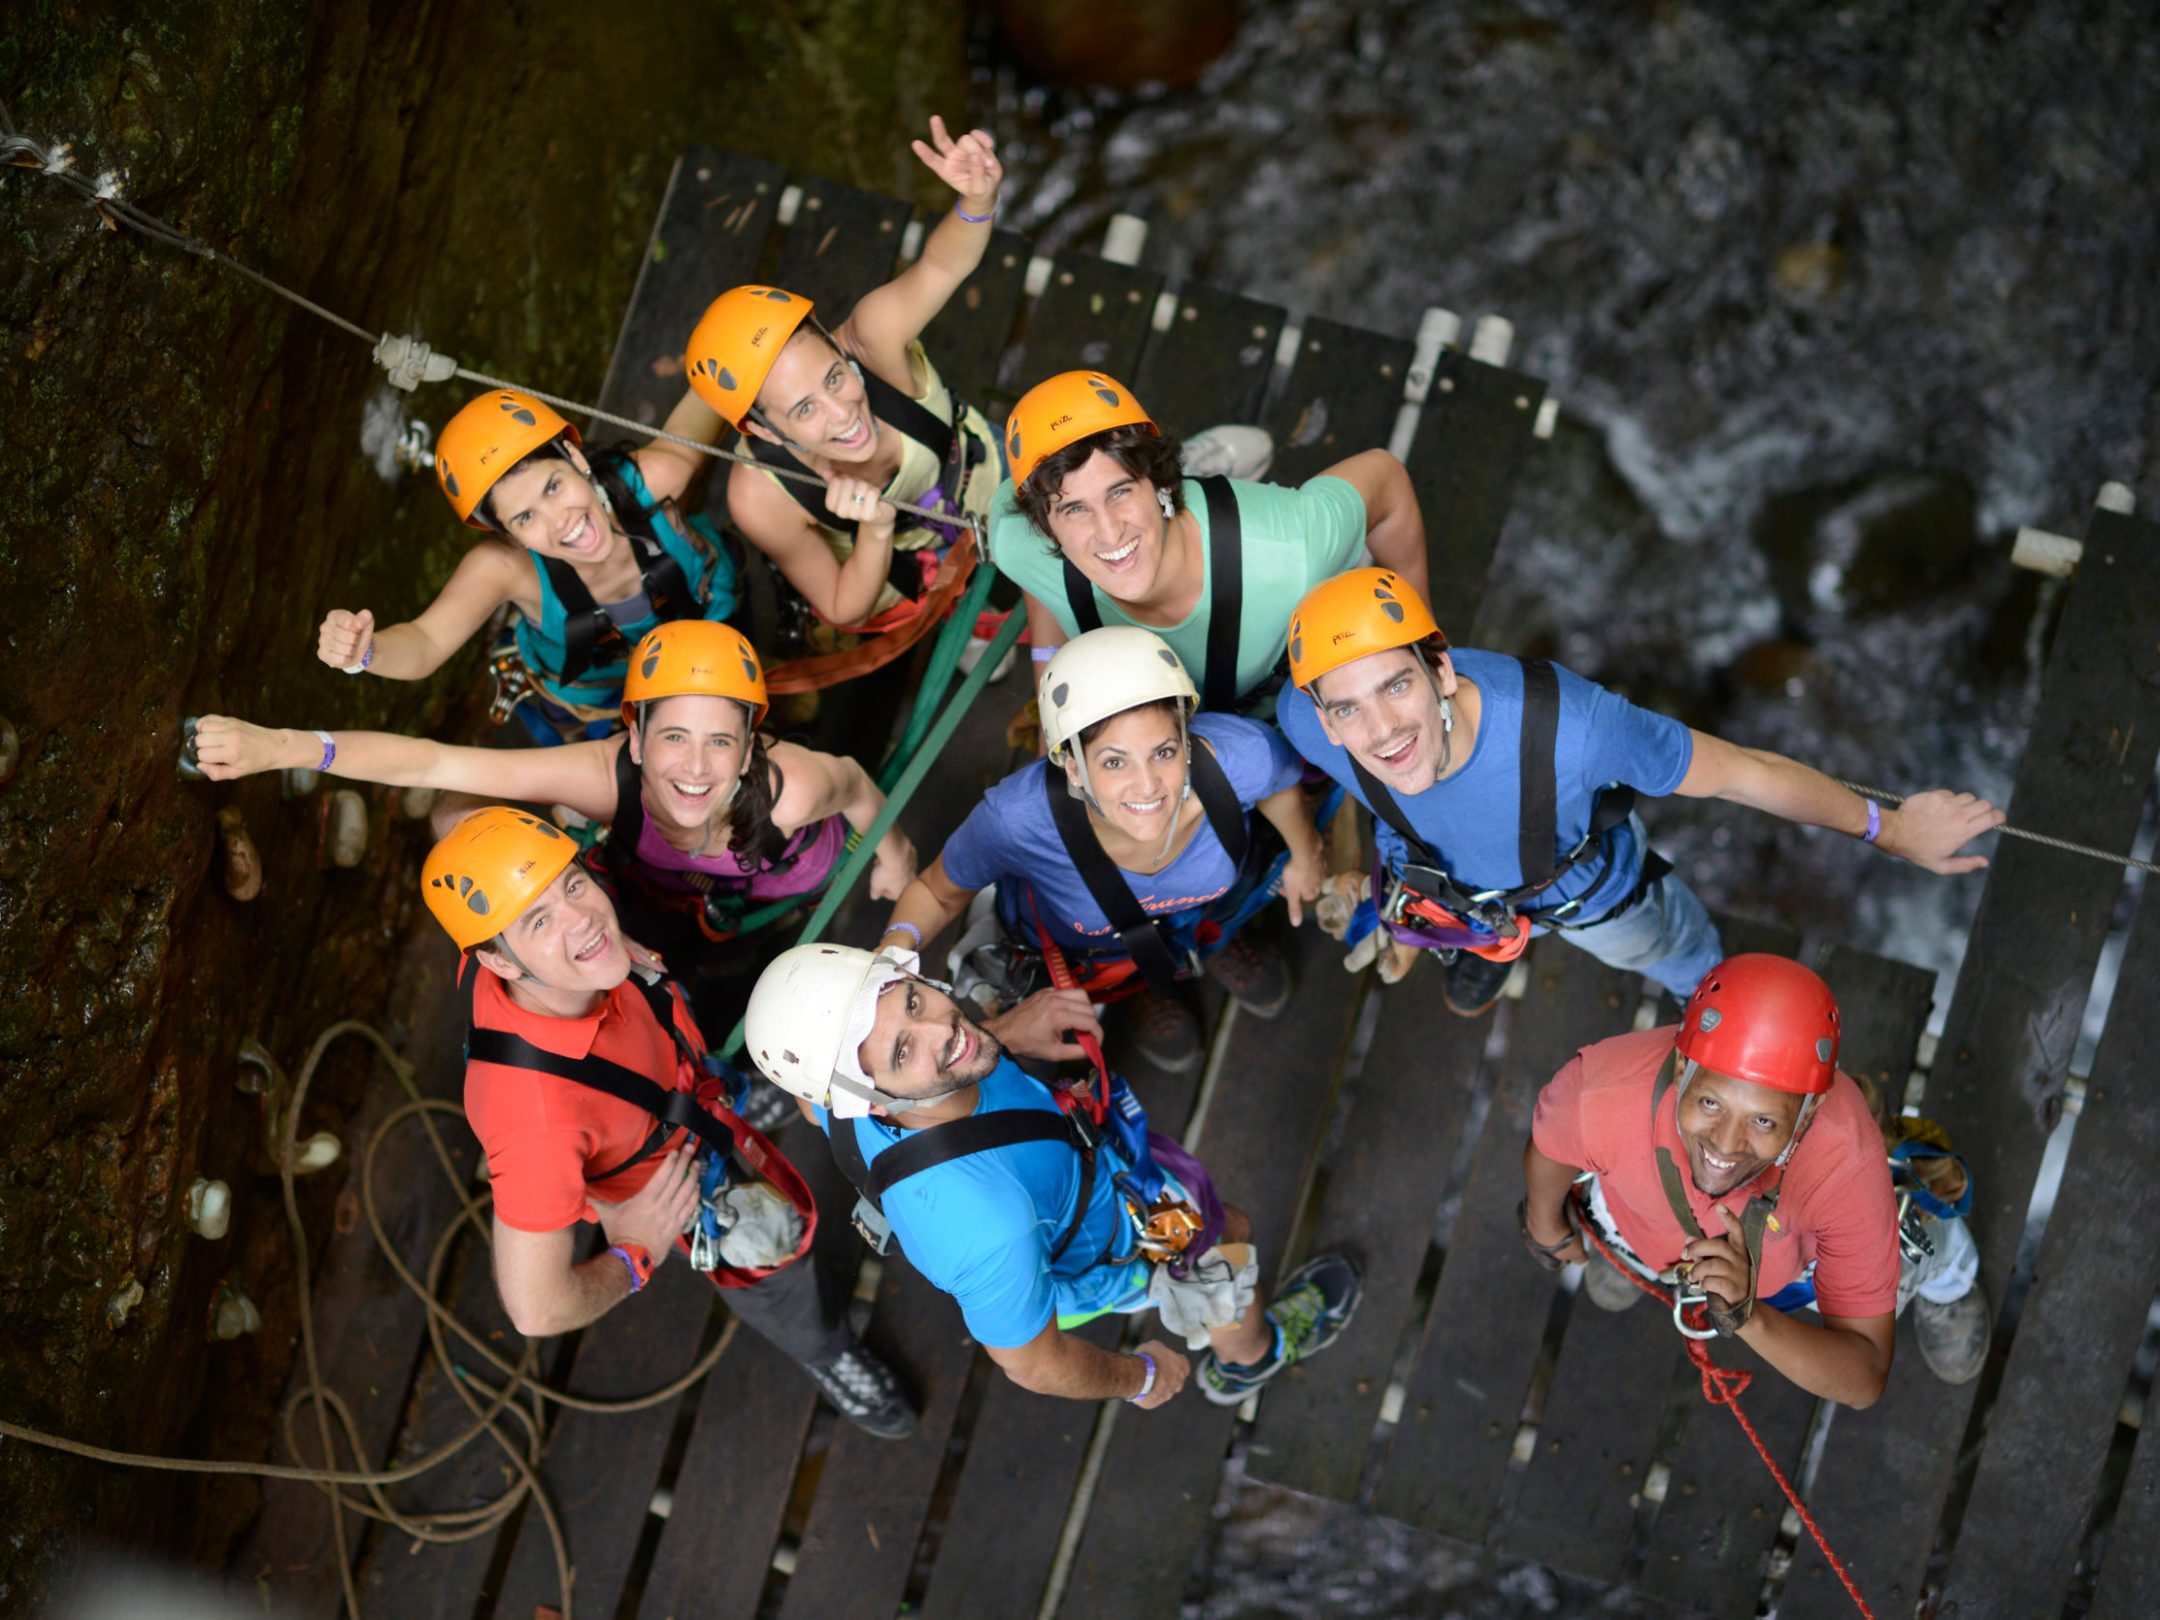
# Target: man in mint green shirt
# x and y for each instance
(1099, 526)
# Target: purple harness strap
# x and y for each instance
(1192, 1175)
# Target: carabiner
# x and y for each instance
(1683, 1299)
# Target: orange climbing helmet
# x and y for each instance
(486, 439)
(1764, 1019)
(735, 342)
(695, 656)
(485, 871)
(1064, 410)
(1351, 616)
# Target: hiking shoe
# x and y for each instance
(1162, 1032)
(1474, 983)
(1230, 450)
(1316, 1304)
(1953, 1338)
(862, 1389)
(1606, 1287)
(1255, 975)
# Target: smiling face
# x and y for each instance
(552, 507)
(690, 752)
(921, 1047)
(1385, 709)
(567, 941)
(1733, 1130)
(814, 400)
(1137, 766)
(1110, 525)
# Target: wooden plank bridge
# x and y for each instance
(1471, 1398)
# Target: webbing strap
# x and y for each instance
(1107, 886)
(959, 1139)
(1225, 593)
(1538, 790)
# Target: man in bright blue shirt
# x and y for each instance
(1035, 1236)
(1486, 839)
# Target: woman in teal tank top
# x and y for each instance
(591, 551)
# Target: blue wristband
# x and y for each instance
(1147, 1382)
(1874, 823)
(329, 751)
(637, 1277)
(908, 929)
(976, 219)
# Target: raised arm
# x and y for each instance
(667, 467)
(1394, 526)
(492, 573)
(887, 320)
(1928, 829)
(814, 786)
(838, 592)
(580, 775)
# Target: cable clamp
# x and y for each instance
(410, 362)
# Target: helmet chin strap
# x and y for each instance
(1087, 784)
(1447, 722)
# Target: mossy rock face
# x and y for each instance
(182, 495)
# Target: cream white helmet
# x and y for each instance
(809, 1015)
(1105, 672)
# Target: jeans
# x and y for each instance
(798, 1308)
(1666, 934)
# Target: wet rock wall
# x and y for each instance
(183, 492)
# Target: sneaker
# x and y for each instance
(1162, 1032)
(1316, 1304)
(1254, 975)
(862, 1389)
(1474, 983)
(1230, 450)
(1953, 1338)
(1605, 1287)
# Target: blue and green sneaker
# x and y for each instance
(1316, 1304)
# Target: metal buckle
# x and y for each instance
(1685, 1297)
(513, 685)
(871, 1226)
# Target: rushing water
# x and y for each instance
(1833, 297)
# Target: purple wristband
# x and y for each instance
(976, 219)
(629, 1265)
(1147, 1384)
(1874, 823)
(329, 750)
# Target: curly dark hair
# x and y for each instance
(1142, 453)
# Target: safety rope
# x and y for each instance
(406, 361)
(486, 1402)
(1723, 1386)
(1894, 800)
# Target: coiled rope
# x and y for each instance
(406, 360)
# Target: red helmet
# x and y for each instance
(1764, 1019)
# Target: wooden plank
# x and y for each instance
(968, 338)
(1092, 313)
(731, 1492)
(859, 1545)
(1721, 1511)
(2013, 1022)
(1342, 398)
(2053, 1419)
(2130, 1569)
(1162, 1468)
(600, 1469)
(709, 235)
(1212, 365)
(1411, 1100)
(1447, 1459)
(842, 243)
(1472, 439)
(370, 1329)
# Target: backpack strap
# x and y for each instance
(960, 1139)
(1226, 595)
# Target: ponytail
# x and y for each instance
(751, 833)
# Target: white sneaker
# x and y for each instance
(1229, 449)
(972, 653)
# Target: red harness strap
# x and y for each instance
(1097, 1098)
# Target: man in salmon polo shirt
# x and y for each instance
(1731, 1157)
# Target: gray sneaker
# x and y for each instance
(1229, 450)
(1953, 1338)
(1605, 1288)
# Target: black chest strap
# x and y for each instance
(671, 1110)
(1107, 885)
(947, 441)
(1226, 595)
(1537, 780)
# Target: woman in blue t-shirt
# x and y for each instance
(1130, 850)
(591, 550)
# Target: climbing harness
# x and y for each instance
(1423, 896)
(1225, 593)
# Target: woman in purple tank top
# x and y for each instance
(705, 817)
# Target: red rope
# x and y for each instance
(1723, 1386)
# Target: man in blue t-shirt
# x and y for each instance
(1036, 1235)
(1482, 844)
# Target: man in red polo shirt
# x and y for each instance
(1732, 1157)
(588, 1085)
